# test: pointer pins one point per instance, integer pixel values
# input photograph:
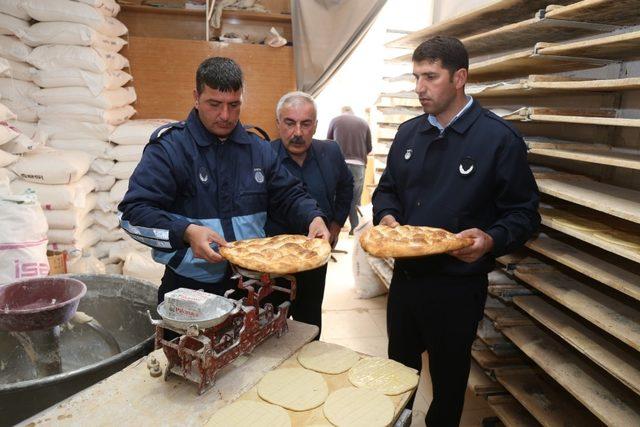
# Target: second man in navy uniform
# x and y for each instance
(206, 181)
(462, 168)
(322, 169)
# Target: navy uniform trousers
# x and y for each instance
(439, 315)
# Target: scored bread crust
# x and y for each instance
(410, 241)
(283, 254)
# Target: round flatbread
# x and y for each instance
(354, 407)
(296, 389)
(384, 375)
(284, 254)
(409, 241)
(243, 413)
(327, 358)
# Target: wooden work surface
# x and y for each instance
(510, 412)
(132, 396)
(335, 382)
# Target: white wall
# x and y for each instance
(359, 82)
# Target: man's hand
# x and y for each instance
(317, 228)
(482, 243)
(334, 231)
(200, 239)
(389, 220)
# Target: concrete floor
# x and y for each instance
(360, 324)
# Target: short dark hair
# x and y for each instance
(449, 50)
(220, 73)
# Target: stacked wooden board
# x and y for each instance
(560, 340)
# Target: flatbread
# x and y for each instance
(354, 407)
(284, 254)
(409, 241)
(296, 389)
(384, 375)
(243, 413)
(619, 237)
(327, 358)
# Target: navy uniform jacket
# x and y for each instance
(473, 175)
(188, 176)
(326, 178)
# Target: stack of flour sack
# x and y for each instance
(65, 84)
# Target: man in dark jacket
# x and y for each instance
(461, 168)
(206, 181)
(321, 167)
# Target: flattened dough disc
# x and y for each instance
(385, 375)
(358, 407)
(327, 358)
(296, 389)
(243, 413)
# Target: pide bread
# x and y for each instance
(283, 254)
(410, 241)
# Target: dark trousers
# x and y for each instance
(307, 307)
(439, 315)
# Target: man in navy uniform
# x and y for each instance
(461, 168)
(206, 181)
(322, 169)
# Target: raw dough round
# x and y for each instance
(355, 407)
(384, 375)
(296, 389)
(327, 358)
(250, 413)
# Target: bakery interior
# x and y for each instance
(85, 85)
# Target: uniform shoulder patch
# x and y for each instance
(493, 116)
(162, 130)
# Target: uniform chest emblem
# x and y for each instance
(408, 154)
(203, 175)
(258, 175)
(467, 166)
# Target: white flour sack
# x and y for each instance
(65, 56)
(70, 77)
(6, 113)
(69, 219)
(11, 25)
(18, 70)
(127, 153)
(107, 99)
(73, 11)
(85, 240)
(7, 133)
(27, 128)
(61, 196)
(25, 111)
(97, 148)
(69, 33)
(85, 113)
(12, 48)
(12, 7)
(103, 182)
(50, 166)
(7, 159)
(74, 130)
(137, 132)
(17, 90)
(14, 141)
(106, 7)
(4, 68)
(23, 239)
(123, 170)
